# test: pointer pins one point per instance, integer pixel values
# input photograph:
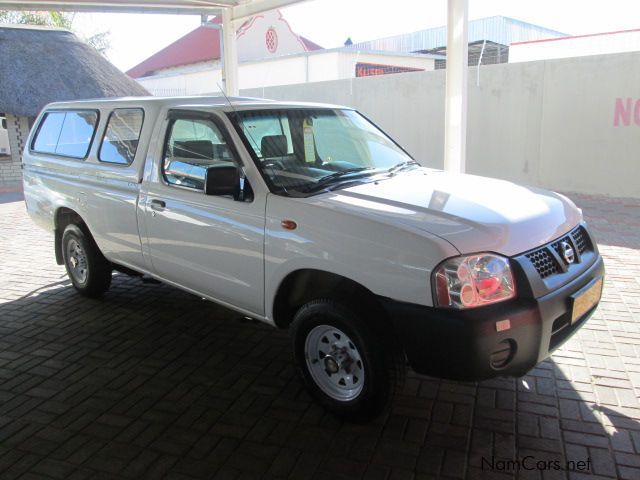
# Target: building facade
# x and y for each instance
(489, 40)
(270, 53)
(576, 46)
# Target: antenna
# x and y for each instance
(224, 94)
(242, 176)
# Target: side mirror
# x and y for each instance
(4, 123)
(222, 180)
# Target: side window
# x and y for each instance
(66, 133)
(194, 149)
(121, 138)
(47, 138)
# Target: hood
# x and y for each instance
(473, 213)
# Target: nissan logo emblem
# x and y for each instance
(567, 252)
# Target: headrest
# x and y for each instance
(273, 146)
(193, 149)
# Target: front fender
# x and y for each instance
(387, 260)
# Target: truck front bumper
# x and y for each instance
(476, 344)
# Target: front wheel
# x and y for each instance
(89, 271)
(345, 359)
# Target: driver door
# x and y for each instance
(212, 245)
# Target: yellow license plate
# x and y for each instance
(584, 300)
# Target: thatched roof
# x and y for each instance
(42, 65)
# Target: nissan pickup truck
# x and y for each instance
(308, 217)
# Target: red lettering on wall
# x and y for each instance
(622, 112)
(626, 111)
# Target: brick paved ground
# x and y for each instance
(153, 383)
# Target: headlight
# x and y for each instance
(473, 280)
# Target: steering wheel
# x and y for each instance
(274, 164)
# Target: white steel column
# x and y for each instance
(455, 119)
(230, 54)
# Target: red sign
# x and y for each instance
(373, 69)
(626, 112)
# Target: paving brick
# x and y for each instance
(131, 387)
(602, 461)
(628, 473)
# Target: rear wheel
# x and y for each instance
(89, 271)
(345, 359)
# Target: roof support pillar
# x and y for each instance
(230, 54)
(455, 138)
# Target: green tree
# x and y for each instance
(99, 41)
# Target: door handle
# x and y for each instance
(157, 205)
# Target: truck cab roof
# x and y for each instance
(198, 102)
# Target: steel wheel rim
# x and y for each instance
(77, 261)
(334, 362)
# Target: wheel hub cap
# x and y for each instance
(331, 365)
(334, 363)
(77, 261)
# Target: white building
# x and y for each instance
(576, 46)
(270, 54)
(4, 138)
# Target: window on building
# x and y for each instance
(121, 138)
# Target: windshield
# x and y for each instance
(310, 150)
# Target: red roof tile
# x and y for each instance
(200, 45)
(309, 45)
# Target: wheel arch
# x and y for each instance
(63, 217)
(304, 285)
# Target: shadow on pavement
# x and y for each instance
(152, 382)
(8, 197)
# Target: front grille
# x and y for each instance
(556, 246)
(544, 262)
(581, 240)
(548, 264)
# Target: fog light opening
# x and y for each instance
(503, 354)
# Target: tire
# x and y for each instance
(358, 373)
(89, 271)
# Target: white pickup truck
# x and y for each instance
(309, 217)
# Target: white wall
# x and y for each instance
(252, 37)
(10, 167)
(188, 82)
(4, 142)
(568, 125)
(286, 70)
(598, 44)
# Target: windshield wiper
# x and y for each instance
(328, 179)
(403, 165)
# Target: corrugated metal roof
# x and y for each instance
(498, 29)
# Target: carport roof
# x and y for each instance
(239, 8)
